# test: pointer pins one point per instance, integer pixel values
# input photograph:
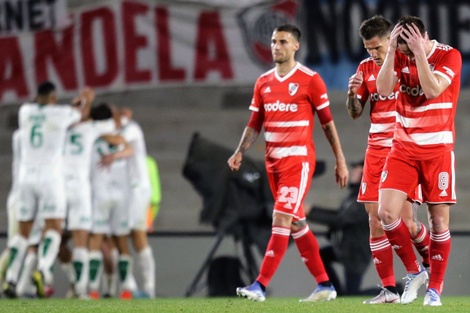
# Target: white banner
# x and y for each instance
(121, 45)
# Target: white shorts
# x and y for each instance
(36, 232)
(78, 192)
(138, 207)
(42, 192)
(110, 212)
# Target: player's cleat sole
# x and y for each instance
(252, 292)
(321, 293)
(412, 285)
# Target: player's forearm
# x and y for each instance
(353, 106)
(248, 138)
(386, 79)
(430, 84)
(332, 136)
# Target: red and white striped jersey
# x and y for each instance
(425, 127)
(382, 109)
(288, 105)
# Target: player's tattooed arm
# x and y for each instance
(248, 138)
(354, 106)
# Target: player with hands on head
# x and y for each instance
(423, 147)
(375, 34)
(284, 103)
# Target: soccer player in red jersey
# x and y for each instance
(375, 33)
(285, 101)
(422, 151)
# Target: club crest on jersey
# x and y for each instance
(293, 87)
(384, 175)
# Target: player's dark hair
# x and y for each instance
(289, 28)
(101, 111)
(406, 22)
(45, 88)
(376, 26)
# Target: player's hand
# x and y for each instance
(88, 94)
(106, 160)
(396, 32)
(413, 39)
(235, 161)
(341, 173)
(354, 82)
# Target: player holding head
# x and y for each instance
(422, 151)
(284, 103)
(375, 34)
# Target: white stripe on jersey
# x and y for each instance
(449, 80)
(279, 153)
(432, 106)
(381, 128)
(324, 105)
(384, 142)
(301, 123)
(423, 139)
(383, 114)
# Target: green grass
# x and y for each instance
(220, 305)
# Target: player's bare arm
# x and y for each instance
(341, 169)
(248, 138)
(431, 84)
(115, 140)
(386, 80)
(354, 106)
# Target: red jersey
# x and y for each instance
(382, 109)
(425, 127)
(288, 105)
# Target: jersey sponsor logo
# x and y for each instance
(405, 70)
(371, 78)
(376, 97)
(443, 183)
(293, 87)
(412, 91)
(280, 106)
(267, 90)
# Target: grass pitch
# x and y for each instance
(236, 305)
